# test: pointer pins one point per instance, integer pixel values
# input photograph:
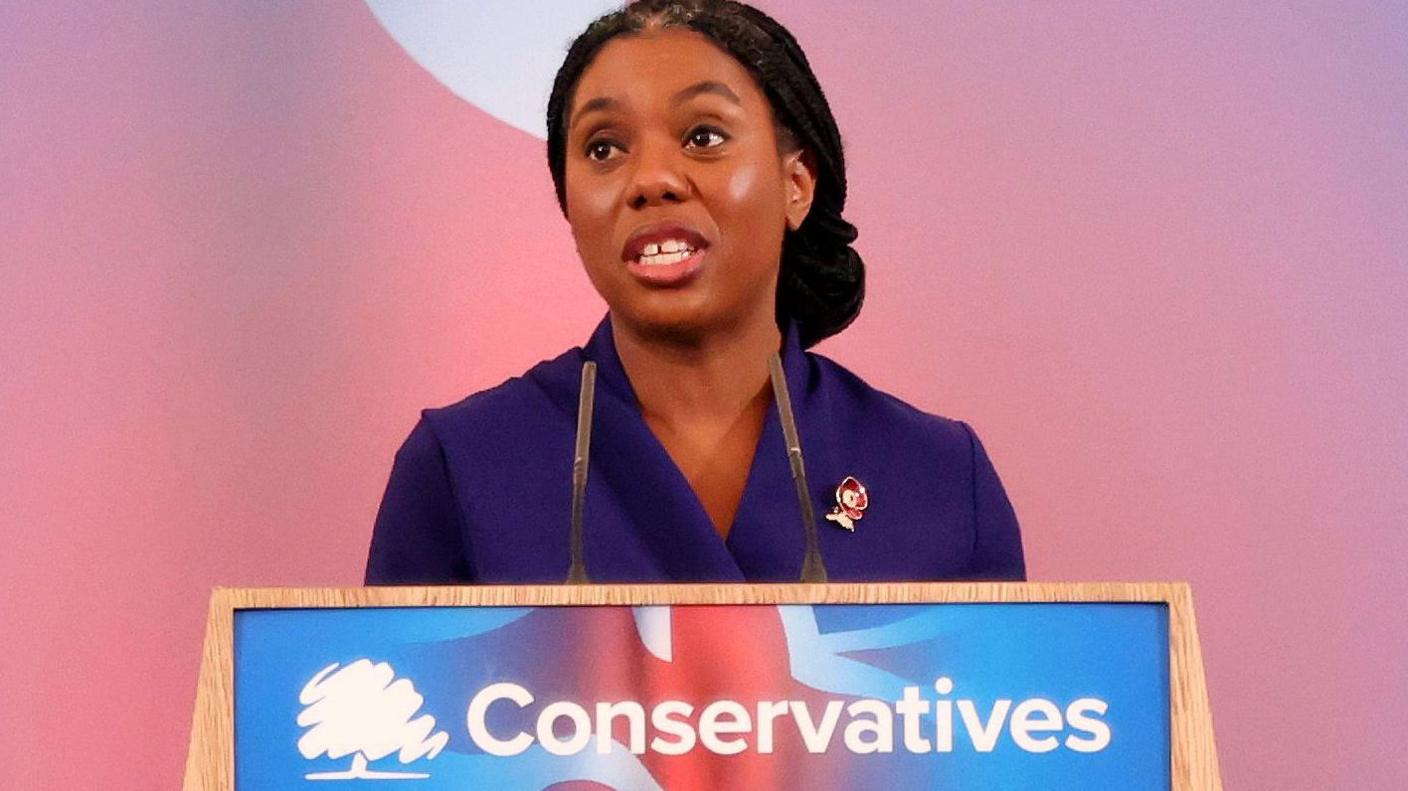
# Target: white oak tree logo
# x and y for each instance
(364, 711)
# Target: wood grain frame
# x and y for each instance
(210, 758)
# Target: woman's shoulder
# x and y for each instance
(935, 464)
(854, 401)
(550, 385)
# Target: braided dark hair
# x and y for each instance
(822, 280)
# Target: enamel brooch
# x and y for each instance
(851, 502)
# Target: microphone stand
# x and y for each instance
(813, 567)
(577, 571)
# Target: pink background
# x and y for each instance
(1155, 255)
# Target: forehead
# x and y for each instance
(644, 69)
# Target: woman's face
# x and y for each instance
(676, 192)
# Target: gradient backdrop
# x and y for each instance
(1155, 253)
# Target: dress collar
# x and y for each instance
(631, 467)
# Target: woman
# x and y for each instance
(698, 164)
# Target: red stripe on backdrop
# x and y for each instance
(717, 654)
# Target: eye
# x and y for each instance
(705, 137)
(601, 150)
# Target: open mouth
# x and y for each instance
(667, 268)
(665, 254)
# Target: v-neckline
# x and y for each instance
(767, 513)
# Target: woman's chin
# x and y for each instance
(677, 320)
(670, 329)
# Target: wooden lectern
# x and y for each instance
(891, 685)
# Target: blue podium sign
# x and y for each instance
(1041, 695)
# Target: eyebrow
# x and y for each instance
(681, 96)
(702, 87)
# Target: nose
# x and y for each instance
(658, 178)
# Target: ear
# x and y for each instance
(799, 172)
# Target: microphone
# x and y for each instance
(577, 571)
(813, 567)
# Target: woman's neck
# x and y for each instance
(683, 381)
(706, 401)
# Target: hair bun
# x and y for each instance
(822, 283)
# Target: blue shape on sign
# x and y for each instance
(1055, 696)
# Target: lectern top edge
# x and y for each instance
(684, 594)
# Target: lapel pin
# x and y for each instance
(851, 502)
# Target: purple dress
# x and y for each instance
(481, 490)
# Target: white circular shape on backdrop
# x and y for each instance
(499, 55)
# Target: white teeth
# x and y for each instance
(663, 259)
(667, 246)
(669, 251)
